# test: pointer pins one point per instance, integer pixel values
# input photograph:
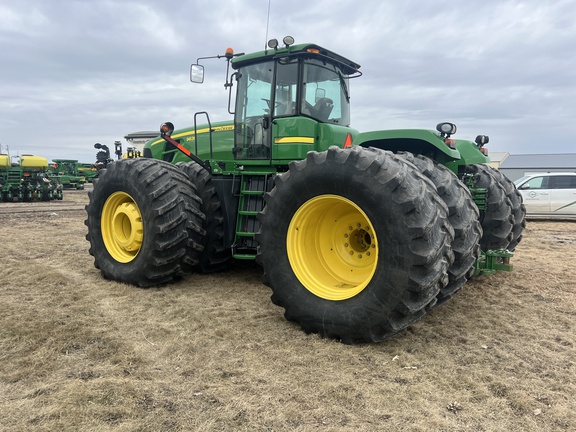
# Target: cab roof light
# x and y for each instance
(288, 40)
(273, 43)
(229, 53)
(313, 50)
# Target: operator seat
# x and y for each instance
(323, 108)
(258, 134)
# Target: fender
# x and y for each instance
(470, 153)
(417, 141)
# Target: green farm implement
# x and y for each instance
(27, 180)
(68, 173)
(87, 170)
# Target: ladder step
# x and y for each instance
(256, 173)
(245, 234)
(244, 256)
(252, 190)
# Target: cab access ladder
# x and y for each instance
(253, 186)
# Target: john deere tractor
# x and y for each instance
(358, 233)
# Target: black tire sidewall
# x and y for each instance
(391, 283)
(215, 254)
(123, 176)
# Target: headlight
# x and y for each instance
(446, 129)
(288, 40)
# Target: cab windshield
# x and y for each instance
(286, 87)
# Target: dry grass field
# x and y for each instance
(212, 353)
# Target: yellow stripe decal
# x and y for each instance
(190, 134)
(284, 140)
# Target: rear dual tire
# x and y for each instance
(517, 208)
(463, 215)
(504, 218)
(496, 219)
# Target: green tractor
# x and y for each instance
(359, 233)
(68, 173)
(87, 170)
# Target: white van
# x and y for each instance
(549, 194)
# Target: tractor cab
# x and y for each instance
(285, 97)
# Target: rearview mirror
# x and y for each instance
(197, 73)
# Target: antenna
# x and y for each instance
(267, 23)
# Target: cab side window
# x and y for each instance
(286, 84)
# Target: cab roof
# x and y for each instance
(308, 50)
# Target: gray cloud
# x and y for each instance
(74, 73)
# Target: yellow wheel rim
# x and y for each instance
(332, 247)
(122, 227)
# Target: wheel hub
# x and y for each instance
(122, 227)
(127, 227)
(359, 240)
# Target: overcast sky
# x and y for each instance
(73, 73)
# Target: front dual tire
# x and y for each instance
(144, 222)
(354, 244)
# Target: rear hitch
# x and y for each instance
(492, 261)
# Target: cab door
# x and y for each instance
(293, 135)
(254, 106)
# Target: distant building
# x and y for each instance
(516, 166)
(496, 158)
(138, 139)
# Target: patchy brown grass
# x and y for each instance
(211, 352)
